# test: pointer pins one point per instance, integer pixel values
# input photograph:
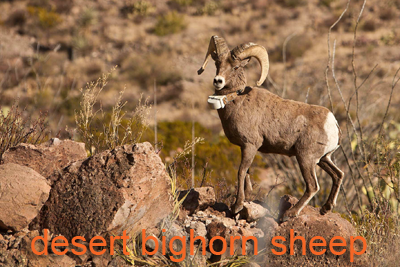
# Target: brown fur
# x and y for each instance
(257, 120)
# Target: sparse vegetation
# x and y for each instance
(16, 128)
(141, 8)
(47, 19)
(210, 8)
(101, 131)
(87, 17)
(170, 23)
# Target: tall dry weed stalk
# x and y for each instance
(370, 153)
(15, 128)
(101, 130)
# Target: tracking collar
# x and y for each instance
(220, 101)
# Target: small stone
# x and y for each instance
(252, 211)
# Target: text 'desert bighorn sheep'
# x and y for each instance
(257, 120)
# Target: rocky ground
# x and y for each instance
(55, 186)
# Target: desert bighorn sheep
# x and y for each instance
(257, 120)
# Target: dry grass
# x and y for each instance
(101, 131)
(16, 128)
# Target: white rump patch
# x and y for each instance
(331, 128)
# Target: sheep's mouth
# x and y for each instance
(218, 87)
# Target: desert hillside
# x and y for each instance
(111, 73)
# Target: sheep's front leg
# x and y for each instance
(248, 154)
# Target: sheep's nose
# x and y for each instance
(217, 81)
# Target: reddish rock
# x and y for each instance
(47, 157)
(310, 223)
(23, 192)
(126, 188)
(197, 199)
(19, 253)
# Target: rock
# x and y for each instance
(100, 261)
(23, 192)
(251, 212)
(310, 224)
(199, 229)
(197, 199)
(21, 254)
(47, 157)
(118, 262)
(223, 208)
(126, 188)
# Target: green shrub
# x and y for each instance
(170, 23)
(47, 19)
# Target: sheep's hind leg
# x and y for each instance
(248, 154)
(307, 167)
(337, 176)
(248, 188)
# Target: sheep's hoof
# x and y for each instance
(236, 208)
(326, 208)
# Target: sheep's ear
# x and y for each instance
(244, 62)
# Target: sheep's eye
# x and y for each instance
(235, 68)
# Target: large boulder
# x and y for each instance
(47, 157)
(310, 224)
(23, 192)
(126, 188)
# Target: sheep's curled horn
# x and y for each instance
(218, 49)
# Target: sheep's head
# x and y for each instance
(230, 72)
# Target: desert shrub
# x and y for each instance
(47, 19)
(82, 44)
(101, 130)
(141, 8)
(170, 23)
(17, 18)
(209, 8)
(16, 129)
(87, 17)
(391, 38)
(63, 6)
(387, 13)
(369, 25)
